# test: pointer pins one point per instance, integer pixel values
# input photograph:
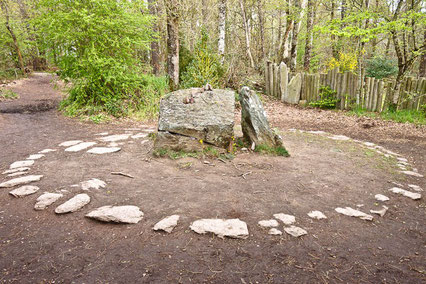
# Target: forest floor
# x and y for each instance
(321, 174)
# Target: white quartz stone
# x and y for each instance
(268, 223)
(104, 150)
(405, 193)
(79, 147)
(119, 214)
(285, 218)
(20, 164)
(233, 228)
(317, 215)
(167, 224)
(295, 231)
(348, 211)
(21, 180)
(24, 190)
(70, 143)
(46, 199)
(73, 204)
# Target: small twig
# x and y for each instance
(245, 174)
(122, 174)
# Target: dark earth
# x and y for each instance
(321, 174)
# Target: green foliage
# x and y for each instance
(204, 67)
(275, 151)
(175, 155)
(98, 44)
(381, 67)
(402, 116)
(7, 94)
(328, 98)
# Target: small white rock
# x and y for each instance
(20, 164)
(415, 187)
(268, 223)
(405, 193)
(102, 134)
(167, 224)
(381, 197)
(404, 160)
(274, 232)
(104, 150)
(412, 173)
(17, 174)
(46, 199)
(317, 215)
(285, 218)
(24, 190)
(46, 151)
(73, 204)
(70, 143)
(15, 170)
(79, 147)
(93, 183)
(380, 212)
(21, 180)
(295, 231)
(119, 214)
(140, 135)
(348, 211)
(233, 228)
(115, 138)
(319, 132)
(35, 156)
(340, 137)
(369, 144)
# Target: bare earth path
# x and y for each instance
(321, 174)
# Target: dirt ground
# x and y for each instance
(321, 174)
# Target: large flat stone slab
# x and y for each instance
(232, 228)
(46, 199)
(73, 204)
(35, 156)
(295, 231)
(93, 183)
(80, 146)
(21, 180)
(15, 170)
(20, 164)
(167, 224)
(70, 143)
(412, 173)
(203, 115)
(24, 190)
(115, 138)
(128, 214)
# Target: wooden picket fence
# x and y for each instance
(369, 93)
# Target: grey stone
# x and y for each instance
(115, 138)
(254, 121)
(46, 199)
(285, 218)
(46, 151)
(21, 180)
(406, 193)
(317, 215)
(412, 173)
(24, 190)
(20, 164)
(70, 143)
(295, 231)
(348, 211)
(275, 232)
(167, 140)
(17, 174)
(415, 187)
(15, 170)
(381, 197)
(103, 150)
(268, 223)
(167, 224)
(233, 228)
(294, 89)
(206, 116)
(79, 147)
(73, 204)
(93, 183)
(119, 214)
(381, 212)
(35, 156)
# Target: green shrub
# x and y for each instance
(99, 44)
(204, 67)
(328, 98)
(274, 151)
(7, 94)
(380, 67)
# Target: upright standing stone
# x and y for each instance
(267, 75)
(254, 123)
(294, 88)
(283, 81)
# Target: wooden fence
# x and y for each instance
(369, 93)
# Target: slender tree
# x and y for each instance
(222, 30)
(172, 10)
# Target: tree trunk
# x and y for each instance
(172, 11)
(3, 6)
(281, 53)
(422, 66)
(293, 51)
(222, 30)
(308, 45)
(247, 33)
(260, 6)
(333, 37)
(155, 48)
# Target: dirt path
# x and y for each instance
(321, 174)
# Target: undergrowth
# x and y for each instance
(402, 116)
(274, 151)
(7, 94)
